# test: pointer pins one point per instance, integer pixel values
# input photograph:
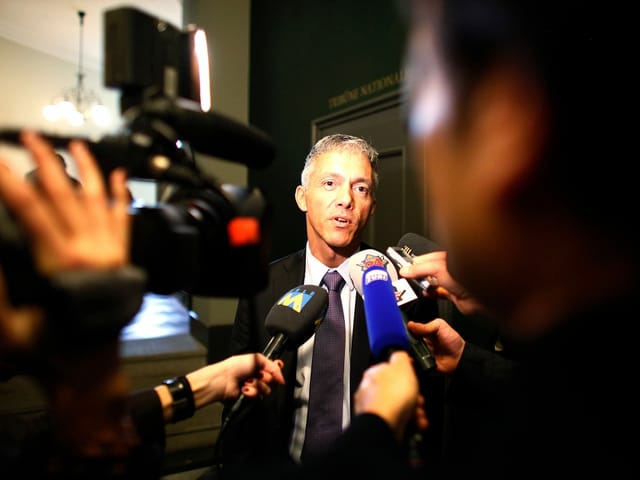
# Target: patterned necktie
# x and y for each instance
(324, 418)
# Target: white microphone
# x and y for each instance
(361, 262)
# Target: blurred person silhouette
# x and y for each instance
(532, 198)
(33, 174)
(515, 108)
(337, 194)
(65, 335)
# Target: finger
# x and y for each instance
(264, 388)
(442, 292)
(54, 181)
(32, 211)
(400, 356)
(120, 215)
(52, 172)
(92, 178)
(93, 188)
(274, 375)
(273, 368)
(423, 329)
(249, 391)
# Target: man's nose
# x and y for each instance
(344, 196)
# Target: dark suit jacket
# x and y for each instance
(262, 433)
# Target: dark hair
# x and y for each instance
(580, 53)
(63, 162)
(33, 175)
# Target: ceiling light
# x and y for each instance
(77, 105)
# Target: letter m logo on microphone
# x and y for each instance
(296, 299)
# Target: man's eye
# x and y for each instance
(362, 189)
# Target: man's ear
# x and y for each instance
(508, 130)
(301, 198)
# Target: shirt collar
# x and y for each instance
(316, 269)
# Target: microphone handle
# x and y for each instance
(275, 346)
(422, 354)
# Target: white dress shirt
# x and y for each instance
(314, 273)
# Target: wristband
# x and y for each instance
(183, 404)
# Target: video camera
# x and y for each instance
(202, 237)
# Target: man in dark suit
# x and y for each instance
(337, 195)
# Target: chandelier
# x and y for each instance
(76, 105)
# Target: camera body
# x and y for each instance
(203, 237)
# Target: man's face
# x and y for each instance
(434, 143)
(338, 201)
(478, 147)
(457, 161)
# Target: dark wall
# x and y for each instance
(309, 59)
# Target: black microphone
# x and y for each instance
(358, 264)
(149, 145)
(291, 322)
(416, 244)
(215, 134)
(410, 245)
(294, 318)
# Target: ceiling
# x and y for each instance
(53, 26)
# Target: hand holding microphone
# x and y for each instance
(390, 389)
(361, 262)
(429, 263)
(291, 321)
(403, 255)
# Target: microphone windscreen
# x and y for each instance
(298, 314)
(385, 325)
(361, 261)
(417, 244)
(216, 134)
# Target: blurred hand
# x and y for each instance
(391, 391)
(69, 228)
(433, 267)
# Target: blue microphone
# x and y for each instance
(387, 332)
(386, 327)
